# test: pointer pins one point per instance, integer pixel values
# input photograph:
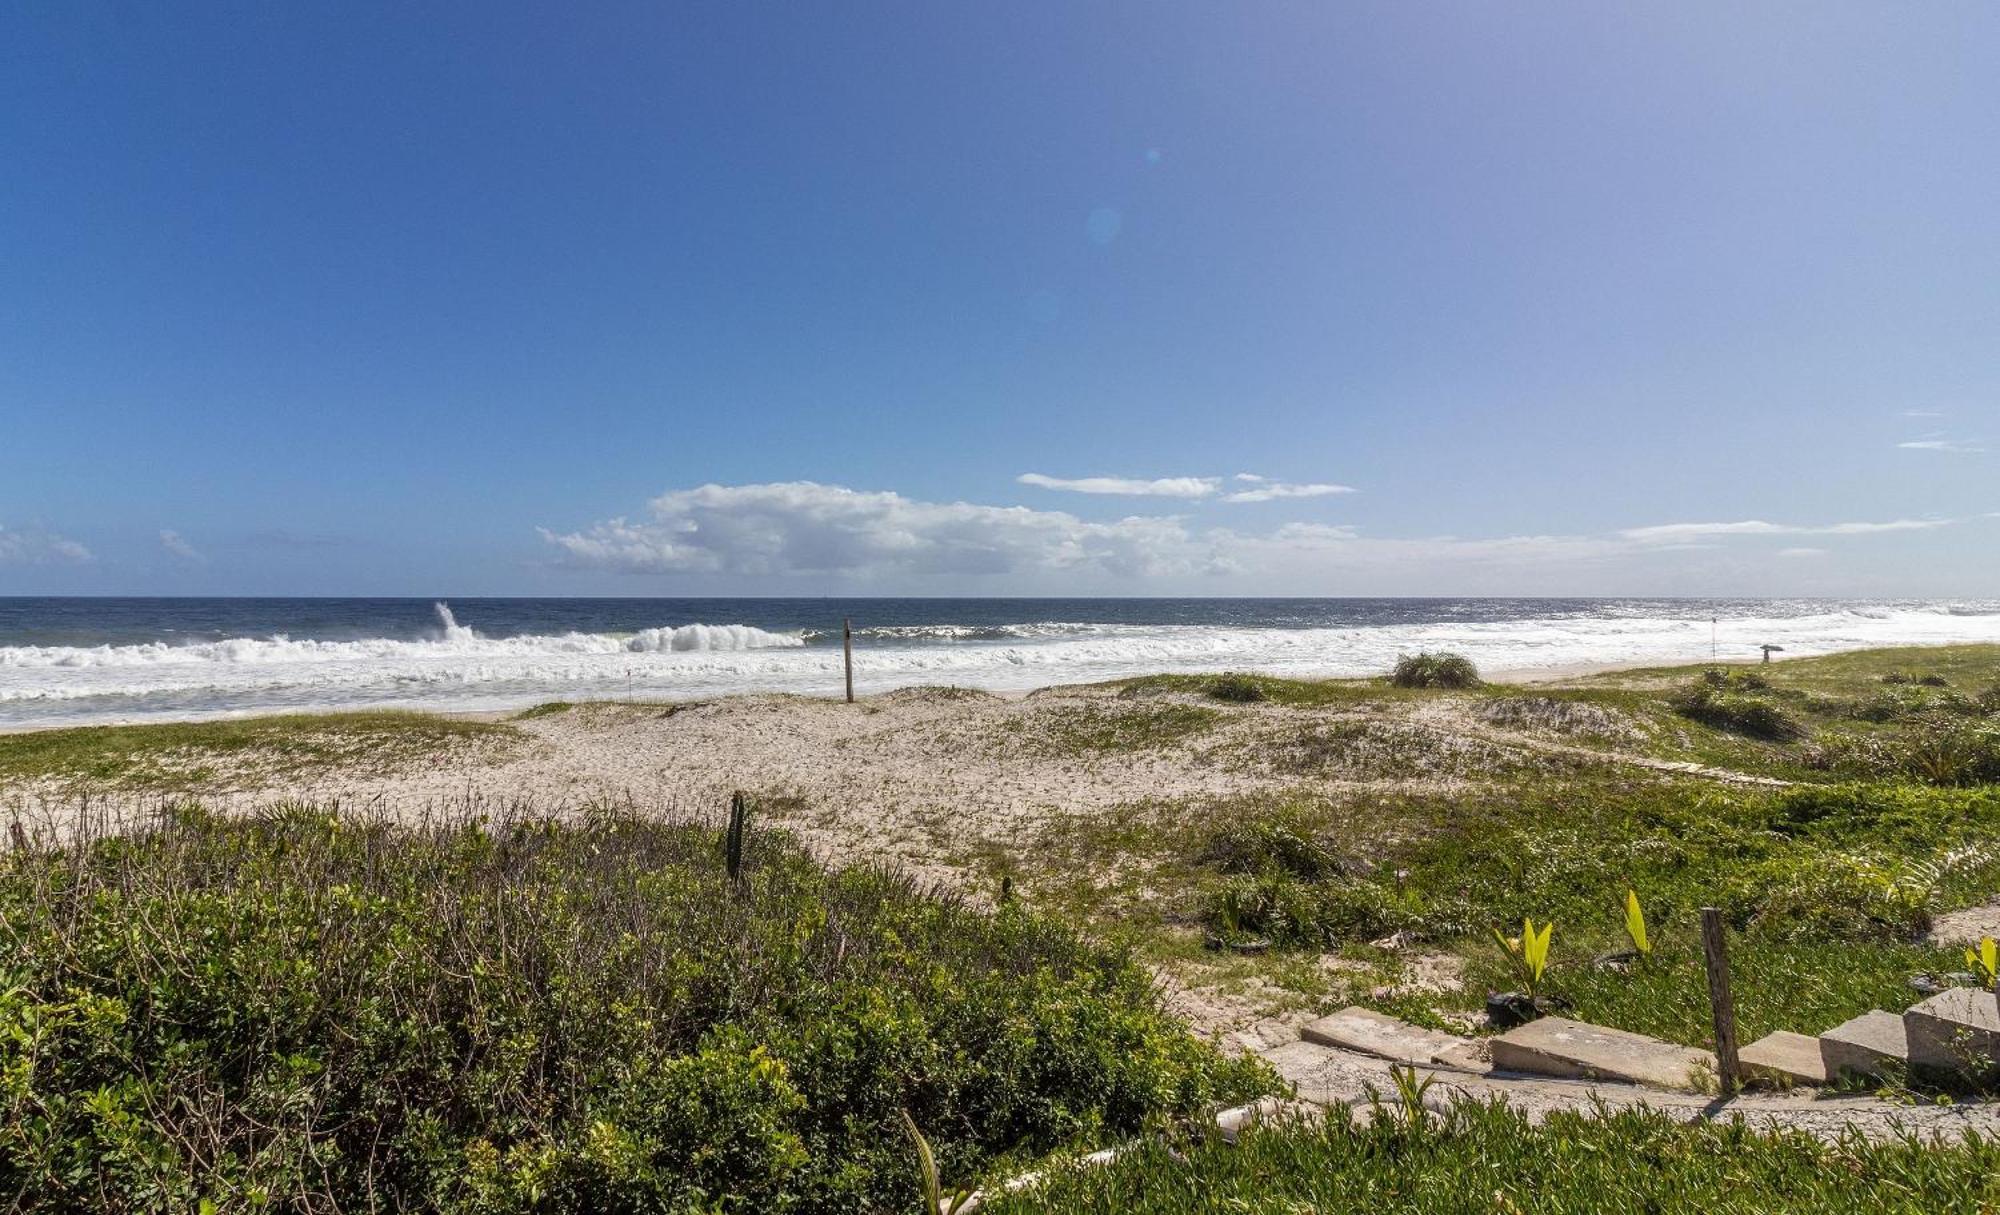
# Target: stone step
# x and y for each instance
(1386, 1037)
(1954, 1031)
(1868, 1045)
(1302, 1063)
(1558, 1046)
(1786, 1057)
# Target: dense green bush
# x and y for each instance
(305, 1012)
(1434, 670)
(1490, 1158)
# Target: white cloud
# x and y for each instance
(802, 527)
(177, 544)
(1963, 447)
(1679, 532)
(36, 546)
(1261, 489)
(808, 530)
(1270, 491)
(1802, 552)
(1161, 487)
(1923, 413)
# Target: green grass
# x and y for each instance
(300, 1011)
(1827, 888)
(1855, 673)
(181, 755)
(1479, 1158)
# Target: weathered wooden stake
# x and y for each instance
(1717, 952)
(847, 655)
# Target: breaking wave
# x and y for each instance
(455, 667)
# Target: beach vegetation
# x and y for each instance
(1434, 670)
(1487, 1156)
(1230, 688)
(1528, 953)
(1090, 728)
(1635, 924)
(176, 756)
(306, 1010)
(1730, 701)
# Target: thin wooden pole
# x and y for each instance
(1716, 950)
(847, 655)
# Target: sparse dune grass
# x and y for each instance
(174, 756)
(1084, 729)
(1229, 688)
(1377, 748)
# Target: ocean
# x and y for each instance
(77, 661)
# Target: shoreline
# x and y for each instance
(1535, 675)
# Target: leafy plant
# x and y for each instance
(936, 1201)
(1635, 924)
(1985, 961)
(1529, 952)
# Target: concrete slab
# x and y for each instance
(1301, 1062)
(1956, 1030)
(1558, 1046)
(1866, 1045)
(1373, 1033)
(1785, 1057)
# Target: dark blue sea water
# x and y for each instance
(67, 660)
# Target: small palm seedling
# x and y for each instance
(1410, 1095)
(732, 842)
(1529, 953)
(1635, 924)
(1985, 961)
(936, 1202)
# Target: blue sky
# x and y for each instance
(1044, 298)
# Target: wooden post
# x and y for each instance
(847, 655)
(1717, 952)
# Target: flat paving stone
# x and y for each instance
(1372, 1033)
(1786, 1057)
(1956, 1030)
(1865, 1045)
(1558, 1046)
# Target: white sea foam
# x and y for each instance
(459, 669)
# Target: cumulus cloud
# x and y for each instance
(808, 529)
(1133, 487)
(177, 544)
(1682, 532)
(1963, 447)
(36, 546)
(802, 527)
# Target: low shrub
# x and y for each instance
(1713, 703)
(1937, 749)
(301, 1011)
(1434, 670)
(1236, 689)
